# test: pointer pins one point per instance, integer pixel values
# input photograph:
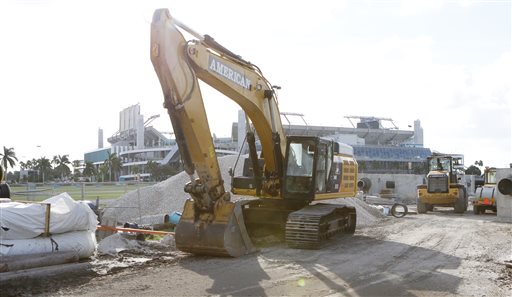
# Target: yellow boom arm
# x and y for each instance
(179, 64)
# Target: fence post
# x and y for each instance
(47, 220)
(83, 190)
(100, 213)
(138, 196)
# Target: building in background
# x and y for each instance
(379, 145)
(135, 143)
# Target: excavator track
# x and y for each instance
(311, 226)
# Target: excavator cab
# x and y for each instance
(314, 167)
(300, 177)
(307, 169)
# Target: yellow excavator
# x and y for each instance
(285, 181)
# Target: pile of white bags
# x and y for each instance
(72, 227)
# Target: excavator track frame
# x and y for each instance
(297, 223)
(265, 217)
(311, 226)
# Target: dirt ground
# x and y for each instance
(434, 254)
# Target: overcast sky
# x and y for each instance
(68, 68)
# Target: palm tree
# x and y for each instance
(108, 163)
(117, 166)
(76, 164)
(113, 164)
(32, 164)
(102, 171)
(152, 168)
(76, 172)
(89, 169)
(8, 158)
(135, 170)
(44, 166)
(61, 165)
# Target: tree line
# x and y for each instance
(58, 169)
(43, 169)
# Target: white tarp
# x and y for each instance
(24, 221)
(81, 242)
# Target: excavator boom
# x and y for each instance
(210, 222)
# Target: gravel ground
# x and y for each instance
(434, 254)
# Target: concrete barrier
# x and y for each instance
(404, 185)
(504, 194)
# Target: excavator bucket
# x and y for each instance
(226, 235)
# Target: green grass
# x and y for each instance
(91, 191)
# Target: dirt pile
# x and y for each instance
(153, 202)
(366, 214)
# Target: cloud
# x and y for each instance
(414, 7)
(418, 7)
(93, 60)
(458, 105)
(478, 120)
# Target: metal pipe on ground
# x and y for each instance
(19, 277)
(20, 262)
(364, 184)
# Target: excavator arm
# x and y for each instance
(179, 64)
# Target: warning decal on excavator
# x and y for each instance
(224, 70)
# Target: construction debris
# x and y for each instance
(122, 242)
